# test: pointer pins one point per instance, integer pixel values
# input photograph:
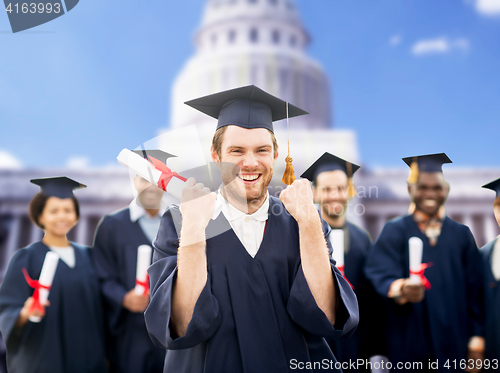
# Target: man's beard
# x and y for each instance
(330, 211)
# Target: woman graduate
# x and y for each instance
(69, 337)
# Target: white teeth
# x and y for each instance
(249, 177)
(429, 202)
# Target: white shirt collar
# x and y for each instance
(137, 211)
(231, 213)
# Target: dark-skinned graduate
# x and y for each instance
(264, 295)
(438, 319)
(116, 243)
(491, 271)
(333, 188)
(66, 333)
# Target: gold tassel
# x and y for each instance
(413, 178)
(289, 175)
(411, 208)
(351, 190)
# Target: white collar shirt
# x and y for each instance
(249, 228)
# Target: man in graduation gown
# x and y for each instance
(263, 295)
(491, 270)
(333, 187)
(115, 255)
(441, 318)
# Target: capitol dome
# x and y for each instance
(260, 42)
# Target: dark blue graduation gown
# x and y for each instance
(440, 326)
(70, 338)
(254, 314)
(365, 342)
(492, 305)
(115, 256)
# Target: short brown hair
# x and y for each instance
(219, 136)
(38, 203)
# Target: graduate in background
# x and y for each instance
(491, 270)
(70, 335)
(117, 239)
(255, 298)
(332, 188)
(441, 319)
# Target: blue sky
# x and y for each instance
(409, 76)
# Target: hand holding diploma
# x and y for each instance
(414, 287)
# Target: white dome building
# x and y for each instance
(261, 42)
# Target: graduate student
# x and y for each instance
(332, 188)
(116, 244)
(439, 318)
(70, 335)
(491, 270)
(263, 295)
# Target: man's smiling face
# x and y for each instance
(252, 153)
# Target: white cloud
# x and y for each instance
(439, 45)
(395, 40)
(488, 7)
(8, 161)
(78, 162)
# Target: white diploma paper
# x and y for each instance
(337, 241)
(416, 247)
(143, 263)
(46, 277)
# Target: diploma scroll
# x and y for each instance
(416, 247)
(143, 263)
(45, 282)
(337, 241)
(148, 171)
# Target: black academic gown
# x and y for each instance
(254, 315)
(115, 256)
(70, 338)
(440, 326)
(492, 305)
(366, 341)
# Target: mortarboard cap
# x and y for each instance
(495, 186)
(247, 107)
(155, 153)
(330, 162)
(425, 163)
(60, 187)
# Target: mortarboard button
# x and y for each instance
(247, 107)
(60, 187)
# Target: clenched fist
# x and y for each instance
(298, 200)
(197, 204)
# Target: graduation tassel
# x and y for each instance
(351, 190)
(413, 178)
(289, 175)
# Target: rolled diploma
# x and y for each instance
(416, 247)
(337, 241)
(46, 277)
(144, 169)
(143, 263)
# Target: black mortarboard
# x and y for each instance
(247, 107)
(329, 162)
(155, 153)
(425, 163)
(494, 185)
(60, 187)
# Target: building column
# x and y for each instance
(490, 228)
(81, 231)
(36, 233)
(12, 243)
(468, 222)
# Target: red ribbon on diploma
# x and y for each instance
(144, 284)
(35, 284)
(341, 269)
(420, 273)
(166, 173)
